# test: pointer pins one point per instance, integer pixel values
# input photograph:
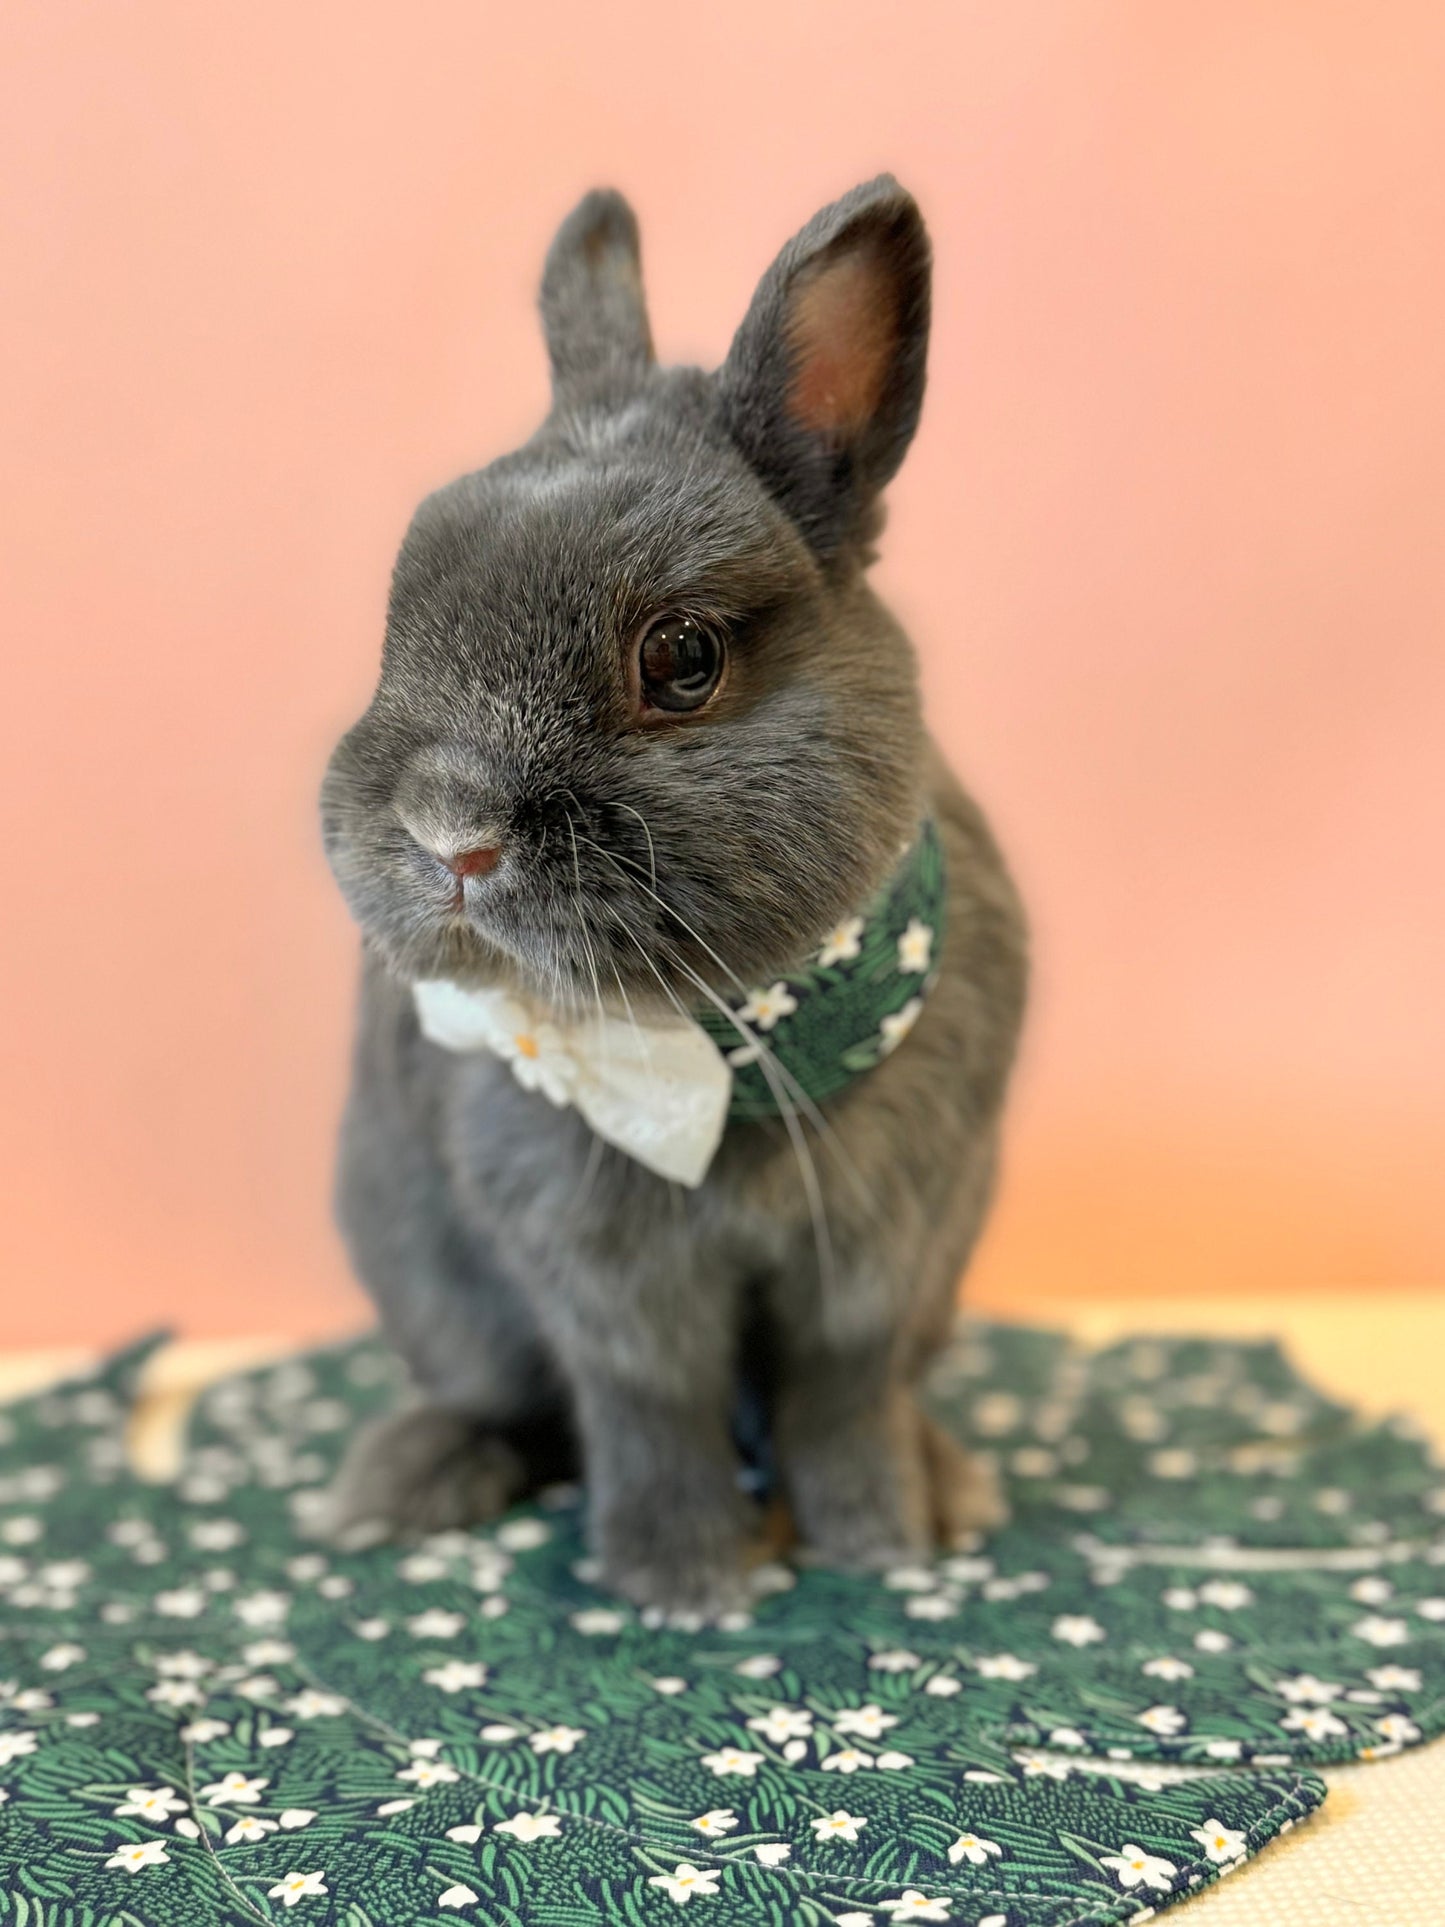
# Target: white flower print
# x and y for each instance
(598, 1620)
(420, 1568)
(933, 1605)
(557, 1739)
(1381, 1632)
(1306, 1690)
(1227, 1594)
(297, 1886)
(295, 1817)
(894, 1762)
(871, 1721)
(468, 1835)
(668, 1684)
(732, 1759)
(1395, 1728)
(685, 1881)
(1005, 1666)
(976, 1851)
(313, 1705)
(894, 1661)
(1033, 1764)
(14, 1745)
(915, 947)
(149, 1853)
(497, 1734)
(182, 1602)
(263, 1608)
(457, 1896)
(215, 1535)
(1221, 1843)
(1168, 1668)
(1432, 1609)
(1164, 1720)
(1135, 1868)
(839, 1825)
(426, 1773)
(1372, 1592)
(912, 1905)
(716, 1820)
(32, 1700)
(234, 1790)
(993, 1414)
(249, 1827)
(1173, 1462)
(267, 1652)
(1316, 1723)
(59, 1657)
(528, 1827)
(1211, 1641)
(1180, 1599)
(202, 1732)
(1224, 1749)
(943, 1686)
(760, 1666)
(1067, 1736)
(389, 1807)
(151, 1803)
(523, 1535)
(457, 1675)
(1394, 1679)
(781, 1723)
(847, 1759)
(1077, 1629)
(773, 1853)
(435, 1624)
(274, 1736)
(533, 1050)
(843, 942)
(893, 1031)
(765, 1009)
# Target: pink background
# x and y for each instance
(1170, 543)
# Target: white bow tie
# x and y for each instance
(658, 1090)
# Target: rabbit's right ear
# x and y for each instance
(823, 384)
(593, 312)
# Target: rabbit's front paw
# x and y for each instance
(687, 1569)
(416, 1471)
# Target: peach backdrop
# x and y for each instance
(1170, 542)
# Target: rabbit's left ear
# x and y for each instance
(823, 383)
(593, 312)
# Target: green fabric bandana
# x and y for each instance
(851, 1003)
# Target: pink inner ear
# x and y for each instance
(843, 332)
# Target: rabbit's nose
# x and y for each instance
(474, 863)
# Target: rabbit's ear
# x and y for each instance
(823, 383)
(593, 311)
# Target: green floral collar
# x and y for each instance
(851, 1003)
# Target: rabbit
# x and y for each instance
(544, 796)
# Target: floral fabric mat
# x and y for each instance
(203, 1719)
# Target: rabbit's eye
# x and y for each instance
(679, 664)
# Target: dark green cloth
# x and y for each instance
(1210, 1565)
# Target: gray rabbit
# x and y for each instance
(643, 734)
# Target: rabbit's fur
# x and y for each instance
(543, 1288)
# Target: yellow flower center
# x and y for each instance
(527, 1044)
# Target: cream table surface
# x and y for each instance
(1372, 1856)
